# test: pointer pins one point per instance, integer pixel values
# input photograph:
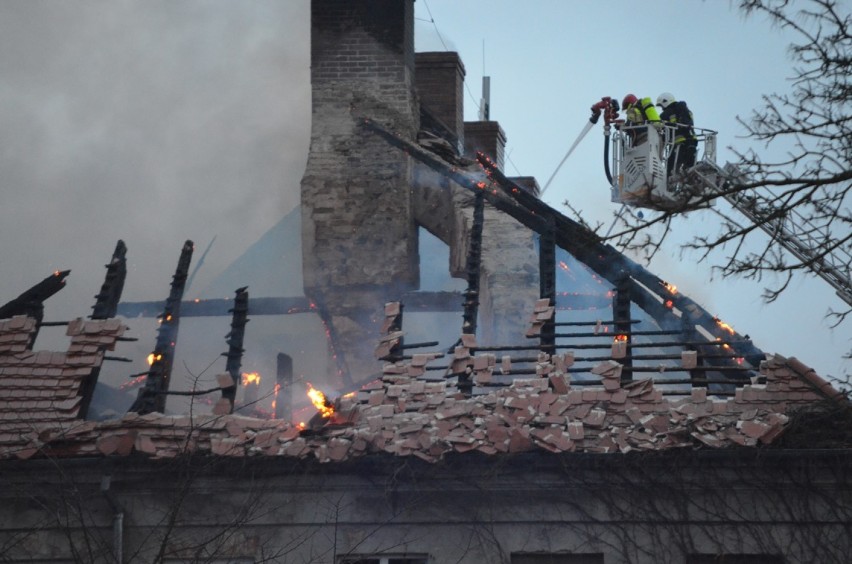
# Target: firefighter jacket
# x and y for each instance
(677, 113)
(642, 111)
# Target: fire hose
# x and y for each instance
(571, 150)
(609, 107)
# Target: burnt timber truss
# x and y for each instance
(669, 309)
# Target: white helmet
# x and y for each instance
(664, 99)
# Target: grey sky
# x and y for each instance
(159, 121)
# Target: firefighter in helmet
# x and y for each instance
(685, 147)
(638, 112)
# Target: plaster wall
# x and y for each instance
(638, 510)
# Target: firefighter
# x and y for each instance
(638, 112)
(685, 146)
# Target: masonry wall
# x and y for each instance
(359, 245)
(629, 509)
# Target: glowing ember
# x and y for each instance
(133, 383)
(724, 325)
(275, 391)
(301, 425)
(325, 407)
(669, 304)
(152, 358)
(620, 338)
(251, 378)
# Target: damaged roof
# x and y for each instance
(399, 414)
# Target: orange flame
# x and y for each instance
(275, 391)
(251, 378)
(620, 338)
(670, 287)
(152, 358)
(724, 325)
(319, 400)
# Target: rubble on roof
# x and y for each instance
(406, 413)
(429, 420)
(41, 390)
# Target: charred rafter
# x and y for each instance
(152, 396)
(235, 338)
(648, 291)
(108, 298)
(31, 302)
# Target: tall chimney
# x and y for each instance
(440, 84)
(485, 137)
(359, 243)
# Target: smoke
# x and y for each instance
(153, 122)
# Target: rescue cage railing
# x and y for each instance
(624, 134)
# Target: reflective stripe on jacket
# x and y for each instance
(678, 113)
(641, 112)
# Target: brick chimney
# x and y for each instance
(486, 137)
(359, 245)
(440, 84)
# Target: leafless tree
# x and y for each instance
(810, 185)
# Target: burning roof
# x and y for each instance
(407, 416)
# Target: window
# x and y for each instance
(734, 559)
(384, 559)
(562, 558)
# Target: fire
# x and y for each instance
(275, 391)
(724, 325)
(670, 287)
(321, 402)
(669, 304)
(152, 358)
(133, 383)
(251, 378)
(620, 338)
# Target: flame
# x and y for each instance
(275, 391)
(620, 338)
(251, 378)
(319, 400)
(301, 425)
(669, 304)
(152, 358)
(724, 325)
(670, 287)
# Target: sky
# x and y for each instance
(157, 121)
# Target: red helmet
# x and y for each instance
(629, 100)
